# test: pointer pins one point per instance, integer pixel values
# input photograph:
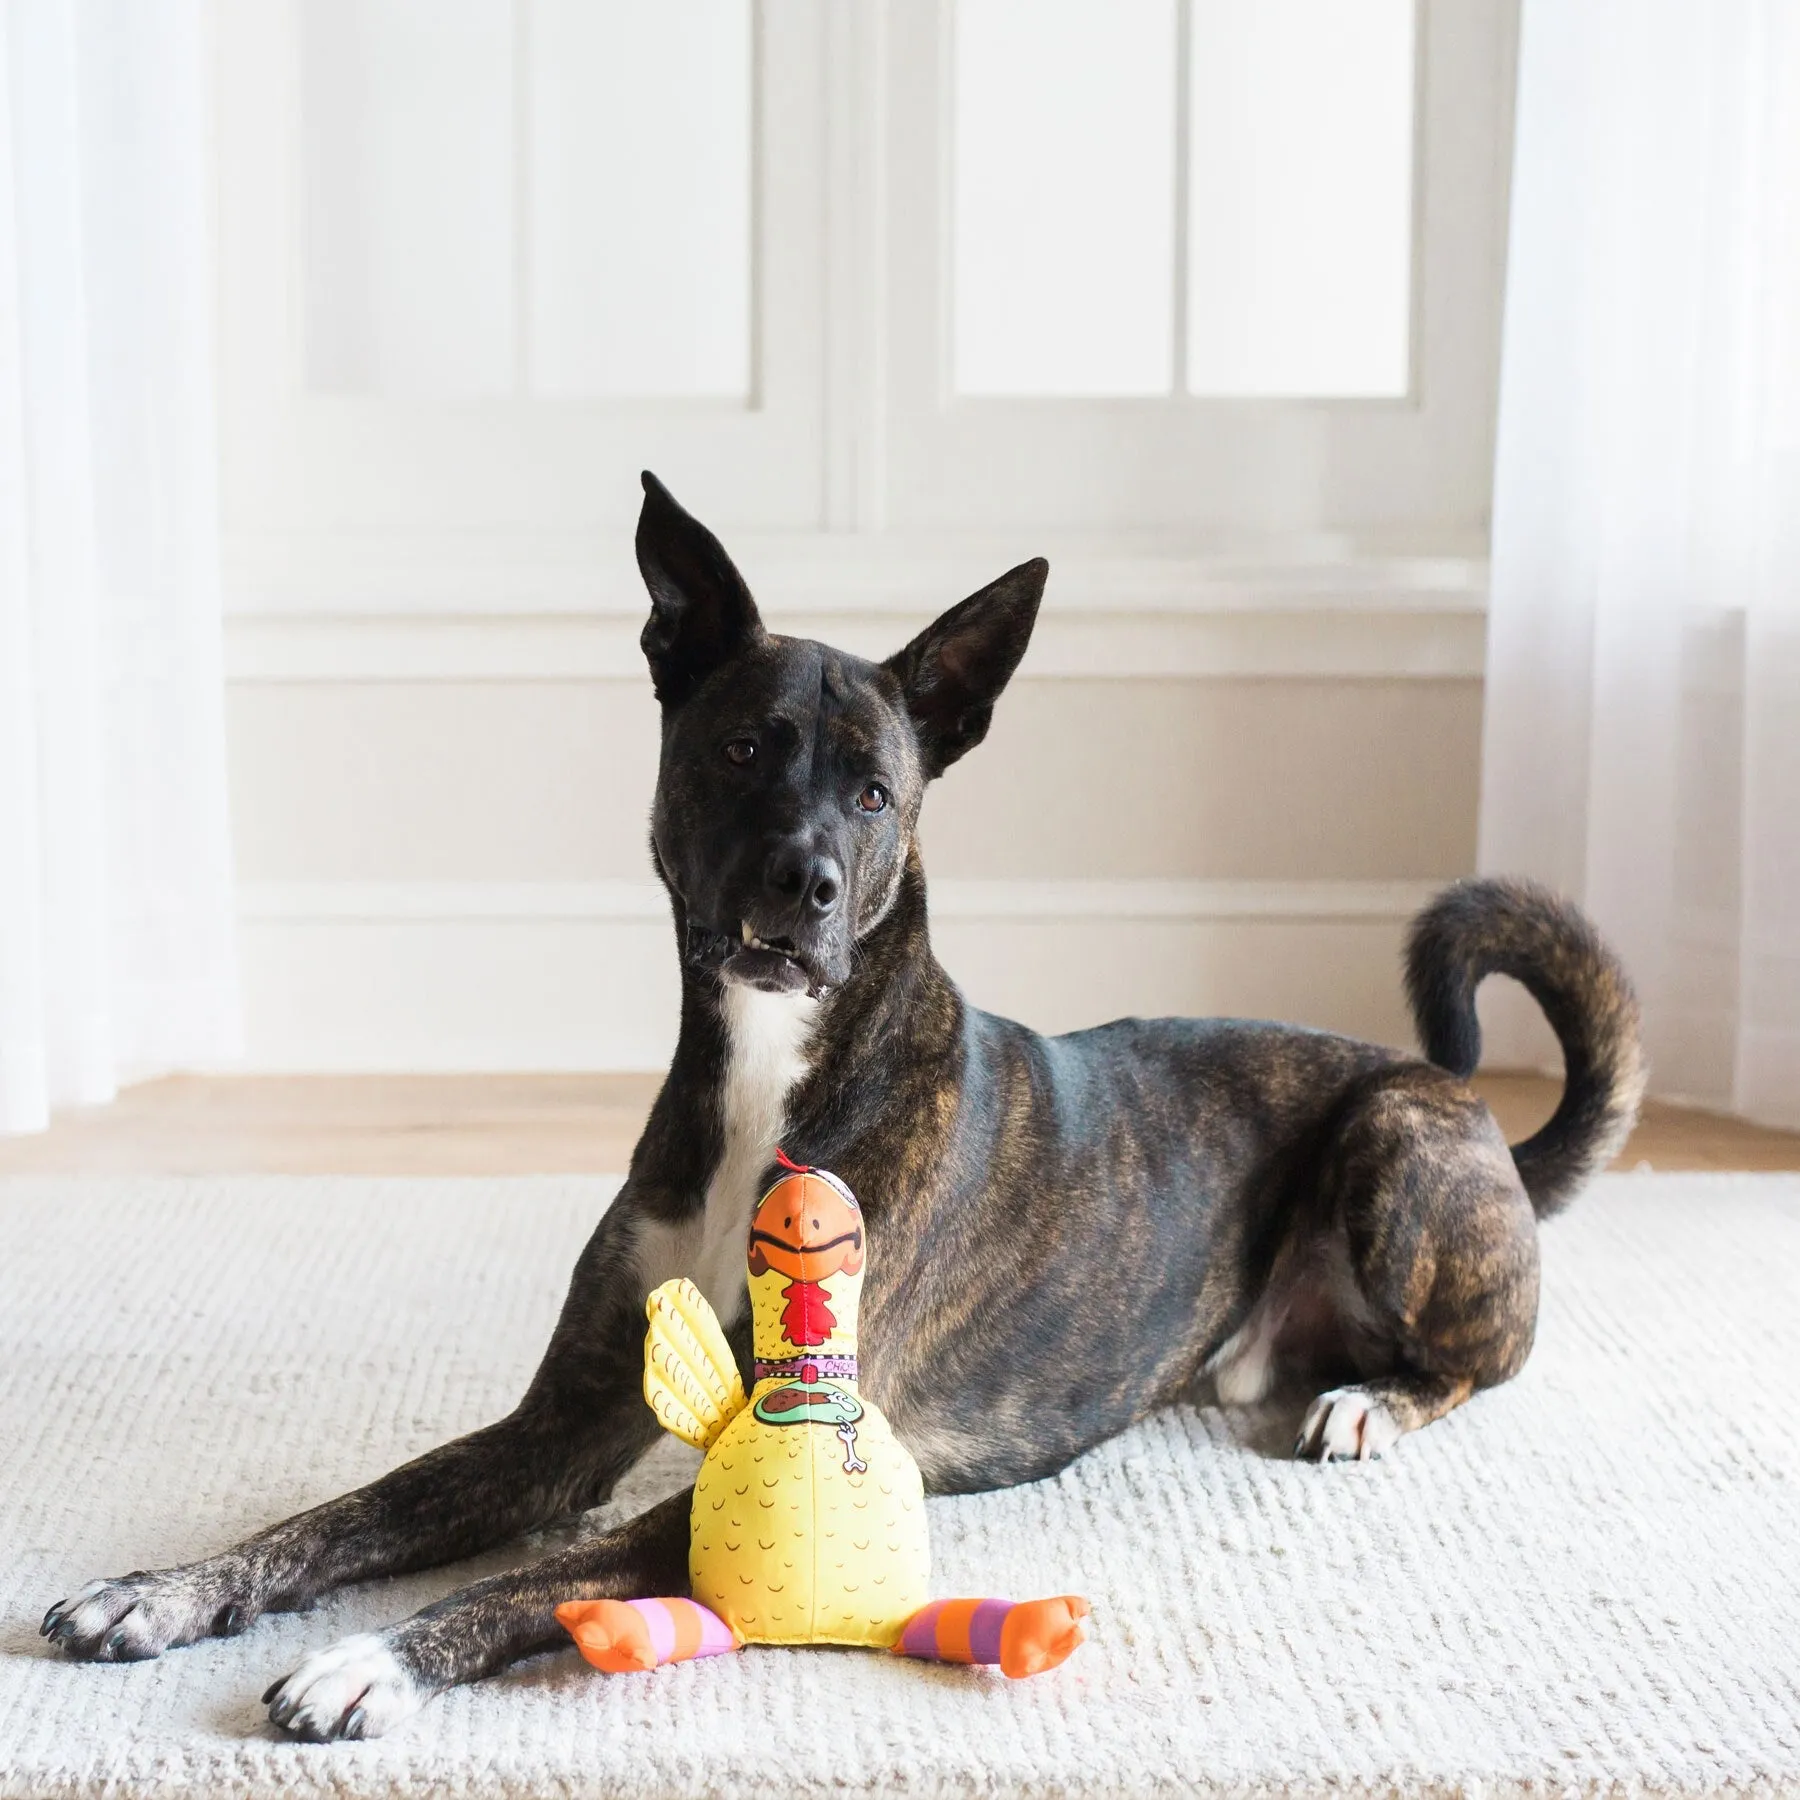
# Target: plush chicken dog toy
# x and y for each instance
(809, 1517)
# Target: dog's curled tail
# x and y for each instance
(1483, 927)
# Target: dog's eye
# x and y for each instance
(740, 751)
(873, 798)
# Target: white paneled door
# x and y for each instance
(510, 202)
(1192, 268)
(1195, 267)
(406, 177)
(1062, 204)
(485, 259)
(1299, 124)
(639, 156)
(1199, 298)
(1078, 265)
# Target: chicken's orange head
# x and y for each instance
(808, 1227)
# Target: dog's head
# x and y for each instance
(792, 773)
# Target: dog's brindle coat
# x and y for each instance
(1075, 1228)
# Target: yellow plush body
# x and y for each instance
(791, 1548)
(809, 1518)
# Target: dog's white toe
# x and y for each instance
(1348, 1424)
(354, 1689)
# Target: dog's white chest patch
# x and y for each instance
(765, 1060)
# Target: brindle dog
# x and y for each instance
(1075, 1228)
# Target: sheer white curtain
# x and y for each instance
(116, 952)
(1642, 744)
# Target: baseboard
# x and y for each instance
(557, 976)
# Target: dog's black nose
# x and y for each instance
(800, 878)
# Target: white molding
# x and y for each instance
(586, 574)
(419, 902)
(1198, 900)
(524, 902)
(1067, 645)
(531, 607)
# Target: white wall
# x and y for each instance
(1243, 747)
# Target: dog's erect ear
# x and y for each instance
(701, 613)
(955, 669)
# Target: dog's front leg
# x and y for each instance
(580, 1426)
(366, 1685)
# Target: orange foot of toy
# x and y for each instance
(1038, 1634)
(611, 1634)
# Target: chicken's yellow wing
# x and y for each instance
(690, 1376)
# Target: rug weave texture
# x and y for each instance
(1588, 1581)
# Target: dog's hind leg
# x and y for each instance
(1439, 1248)
(368, 1684)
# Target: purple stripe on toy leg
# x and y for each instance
(662, 1627)
(920, 1636)
(984, 1630)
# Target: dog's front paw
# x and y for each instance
(1346, 1425)
(145, 1613)
(358, 1688)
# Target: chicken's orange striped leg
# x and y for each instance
(1024, 1637)
(622, 1635)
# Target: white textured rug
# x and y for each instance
(1588, 1581)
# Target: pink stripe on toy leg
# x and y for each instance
(662, 1627)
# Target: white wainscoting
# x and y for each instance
(351, 969)
(430, 976)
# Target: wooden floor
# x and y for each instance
(554, 1124)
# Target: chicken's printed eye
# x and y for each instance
(740, 751)
(873, 798)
